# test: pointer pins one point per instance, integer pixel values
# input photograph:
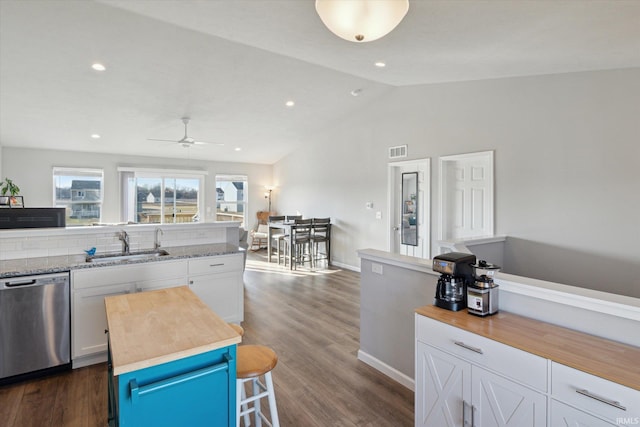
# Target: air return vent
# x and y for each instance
(398, 152)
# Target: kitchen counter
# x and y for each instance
(155, 327)
(604, 358)
(56, 264)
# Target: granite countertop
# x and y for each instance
(57, 264)
(150, 328)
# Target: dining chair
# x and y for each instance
(321, 233)
(300, 242)
(278, 236)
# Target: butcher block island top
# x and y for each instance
(604, 358)
(154, 327)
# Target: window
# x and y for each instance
(80, 191)
(231, 201)
(161, 196)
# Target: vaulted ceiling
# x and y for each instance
(230, 65)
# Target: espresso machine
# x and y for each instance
(482, 295)
(456, 275)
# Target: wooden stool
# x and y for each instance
(254, 361)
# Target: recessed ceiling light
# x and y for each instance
(238, 149)
(356, 92)
(98, 67)
(95, 136)
(380, 64)
(289, 103)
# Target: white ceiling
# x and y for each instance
(230, 65)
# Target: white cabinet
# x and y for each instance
(565, 415)
(91, 286)
(592, 395)
(218, 282)
(89, 320)
(466, 380)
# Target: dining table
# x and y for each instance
(287, 227)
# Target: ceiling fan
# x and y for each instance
(186, 140)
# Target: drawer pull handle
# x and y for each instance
(468, 347)
(138, 391)
(613, 403)
(216, 265)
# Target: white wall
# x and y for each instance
(566, 153)
(31, 169)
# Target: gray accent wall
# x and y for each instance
(566, 154)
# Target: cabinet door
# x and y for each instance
(443, 388)
(90, 319)
(565, 416)
(499, 402)
(196, 391)
(222, 293)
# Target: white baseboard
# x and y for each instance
(345, 266)
(387, 370)
(81, 362)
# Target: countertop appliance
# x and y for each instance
(482, 295)
(456, 275)
(35, 326)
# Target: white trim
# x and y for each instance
(345, 266)
(389, 371)
(426, 202)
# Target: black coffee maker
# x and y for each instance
(456, 274)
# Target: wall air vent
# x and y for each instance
(398, 152)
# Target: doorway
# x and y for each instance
(411, 209)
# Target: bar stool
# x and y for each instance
(278, 237)
(254, 361)
(321, 233)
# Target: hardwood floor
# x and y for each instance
(311, 320)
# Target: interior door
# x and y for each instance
(466, 196)
(421, 211)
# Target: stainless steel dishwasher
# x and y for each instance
(35, 325)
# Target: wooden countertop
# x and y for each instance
(155, 327)
(598, 356)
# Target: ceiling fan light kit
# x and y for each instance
(361, 20)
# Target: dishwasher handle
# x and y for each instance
(21, 283)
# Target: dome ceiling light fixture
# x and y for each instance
(361, 20)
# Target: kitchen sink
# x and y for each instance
(132, 256)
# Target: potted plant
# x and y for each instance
(8, 186)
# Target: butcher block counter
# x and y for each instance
(604, 358)
(171, 361)
(556, 375)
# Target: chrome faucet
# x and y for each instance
(156, 241)
(124, 237)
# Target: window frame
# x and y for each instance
(126, 173)
(78, 172)
(231, 177)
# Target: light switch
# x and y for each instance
(378, 215)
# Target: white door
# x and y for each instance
(423, 208)
(466, 196)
